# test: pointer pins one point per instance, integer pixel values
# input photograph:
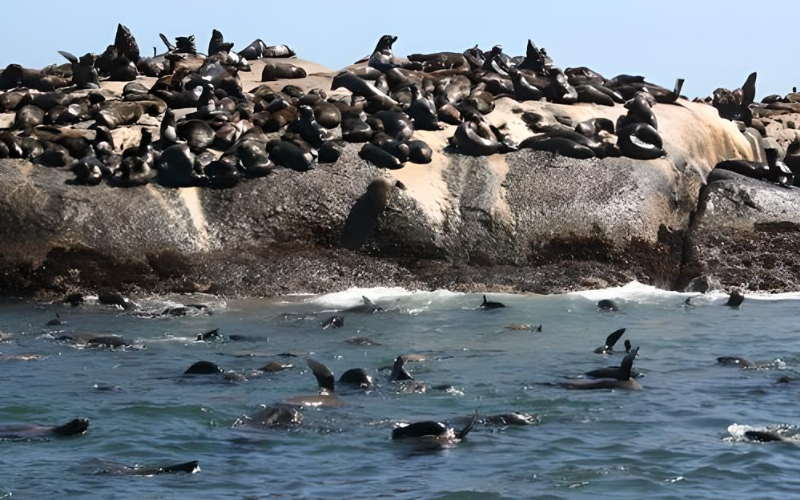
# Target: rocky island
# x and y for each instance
(256, 173)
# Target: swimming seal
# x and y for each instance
(607, 305)
(623, 380)
(124, 470)
(74, 427)
(735, 361)
(487, 304)
(357, 377)
(333, 322)
(433, 431)
(399, 373)
(735, 300)
(269, 417)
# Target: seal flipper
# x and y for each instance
(627, 346)
(614, 337)
(166, 41)
(463, 432)
(324, 375)
(398, 371)
(72, 428)
(69, 57)
(678, 87)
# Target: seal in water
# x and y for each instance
(203, 368)
(269, 417)
(399, 373)
(357, 377)
(326, 396)
(74, 427)
(607, 305)
(735, 361)
(333, 322)
(623, 380)
(612, 371)
(764, 436)
(95, 340)
(124, 470)
(611, 340)
(735, 300)
(434, 431)
(487, 304)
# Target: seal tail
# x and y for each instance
(463, 432)
(324, 375)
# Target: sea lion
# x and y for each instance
(366, 307)
(357, 377)
(209, 336)
(333, 322)
(327, 114)
(435, 432)
(197, 134)
(279, 71)
(379, 157)
(203, 368)
(362, 88)
(269, 417)
(363, 218)
(640, 141)
(419, 152)
(524, 90)
(57, 321)
(96, 340)
(326, 396)
(623, 380)
(612, 371)
(752, 169)
(735, 361)
(259, 49)
(119, 113)
(764, 436)
(611, 340)
(308, 128)
(560, 145)
(383, 58)
(289, 155)
(147, 471)
(423, 111)
(735, 300)
(487, 304)
(116, 299)
(84, 74)
(475, 138)
(217, 43)
(23, 432)
(176, 167)
(126, 43)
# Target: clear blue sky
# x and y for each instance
(710, 43)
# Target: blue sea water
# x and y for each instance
(680, 437)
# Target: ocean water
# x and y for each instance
(680, 437)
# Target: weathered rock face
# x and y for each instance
(529, 221)
(744, 234)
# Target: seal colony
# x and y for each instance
(197, 124)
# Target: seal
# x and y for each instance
(270, 417)
(423, 111)
(735, 361)
(281, 71)
(333, 322)
(289, 155)
(259, 49)
(622, 381)
(735, 300)
(487, 304)
(74, 427)
(357, 377)
(84, 74)
(326, 396)
(640, 141)
(613, 371)
(475, 138)
(363, 218)
(433, 432)
(611, 341)
(379, 157)
(148, 471)
(87, 339)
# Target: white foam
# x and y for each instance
(379, 295)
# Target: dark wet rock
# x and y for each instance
(744, 234)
